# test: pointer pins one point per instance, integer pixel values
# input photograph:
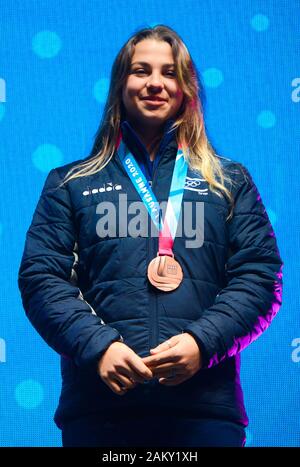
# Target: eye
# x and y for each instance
(170, 73)
(139, 71)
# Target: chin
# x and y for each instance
(153, 116)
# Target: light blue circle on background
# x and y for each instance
(29, 394)
(2, 111)
(46, 44)
(101, 88)
(266, 119)
(260, 22)
(47, 157)
(213, 77)
(272, 216)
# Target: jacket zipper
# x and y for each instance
(153, 294)
(152, 252)
(154, 334)
(152, 304)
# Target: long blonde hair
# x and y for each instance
(189, 123)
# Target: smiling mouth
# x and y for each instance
(154, 98)
(154, 101)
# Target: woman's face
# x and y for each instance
(152, 75)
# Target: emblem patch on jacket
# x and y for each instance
(194, 184)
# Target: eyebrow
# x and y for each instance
(148, 64)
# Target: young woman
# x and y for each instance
(150, 265)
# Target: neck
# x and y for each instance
(150, 137)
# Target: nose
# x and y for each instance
(155, 81)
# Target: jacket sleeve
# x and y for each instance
(244, 308)
(53, 304)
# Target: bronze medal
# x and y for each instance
(165, 273)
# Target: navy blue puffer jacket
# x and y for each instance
(82, 291)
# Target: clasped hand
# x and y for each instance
(172, 362)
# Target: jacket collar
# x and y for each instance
(138, 149)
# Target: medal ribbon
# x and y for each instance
(167, 230)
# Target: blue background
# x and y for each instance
(55, 62)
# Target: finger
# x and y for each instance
(161, 347)
(173, 381)
(166, 366)
(132, 375)
(116, 388)
(124, 381)
(139, 368)
(162, 357)
(136, 377)
(165, 372)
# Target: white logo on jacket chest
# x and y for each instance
(194, 184)
(103, 189)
